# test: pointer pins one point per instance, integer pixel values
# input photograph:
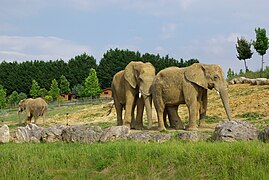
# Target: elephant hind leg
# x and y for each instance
(119, 108)
(174, 119)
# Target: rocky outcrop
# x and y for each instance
(149, 137)
(193, 136)
(235, 130)
(29, 133)
(243, 80)
(52, 134)
(114, 133)
(84, 134)
(224, 131)
(264, 135)
(4, 134)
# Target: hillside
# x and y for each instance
(247, 102)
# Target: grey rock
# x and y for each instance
(114, 133)
(84, 134)
(4, 134)
(193, 136)
(53, 134)
(235, 130)
(149, 137)
(29, 133)
(264, 135)
(262, 81)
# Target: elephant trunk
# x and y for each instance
(148, 105)
(225, 100)
(19, 114)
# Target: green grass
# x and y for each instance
(251, 116)
(133, 160)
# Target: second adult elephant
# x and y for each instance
(173, 86)
(131, 87)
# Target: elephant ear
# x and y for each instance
(130, 74)
(196, 74)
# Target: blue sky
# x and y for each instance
(61, 29)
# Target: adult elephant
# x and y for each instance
(173, 86)
(33, 108)
(131, 87)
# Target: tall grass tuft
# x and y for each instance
(133, 160)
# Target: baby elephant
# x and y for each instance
(34, 108)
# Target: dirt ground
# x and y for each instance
(244, 98)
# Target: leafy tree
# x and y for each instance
(13, 99)
(34, 91)
(243, 48)
(91, 85)
(54, 89)
(43, 92)
(261, 43)
(230, 73)
(78, 90)
(64, 85)
(22, 96)
(3, 94)
(112, 62)
(79, 68)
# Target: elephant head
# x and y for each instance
(209, 77)
(140, 75)
(22, 107)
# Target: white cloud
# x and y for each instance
(168, 30)
(38, 48)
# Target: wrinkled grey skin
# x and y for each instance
(127, 84)
(173, 86)
(33, 108)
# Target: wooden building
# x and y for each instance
(69, 97)
(106, 93)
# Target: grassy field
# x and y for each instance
(132, 160)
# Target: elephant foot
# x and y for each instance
(204, 125)
(191, 128)
(161, 129)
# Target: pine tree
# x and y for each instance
(34, 91)
(91, 85)
(261, 43)
(64, 85)
(13, 99)
(54, 89)
(3, 94)
(243, 48)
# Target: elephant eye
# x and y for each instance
(216, 77)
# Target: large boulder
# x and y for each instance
(84, 134)
(114, 133)
(4, 134)
(264, 135)
(29, 133)
(52, 134)
(149, 137)
(235, 130)
(193, 136)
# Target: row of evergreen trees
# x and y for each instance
(80, 75)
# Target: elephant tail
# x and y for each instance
(110, 105)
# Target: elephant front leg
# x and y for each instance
(129, 109)
(138, 124)
(193, 112)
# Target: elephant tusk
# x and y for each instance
(139, 95)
